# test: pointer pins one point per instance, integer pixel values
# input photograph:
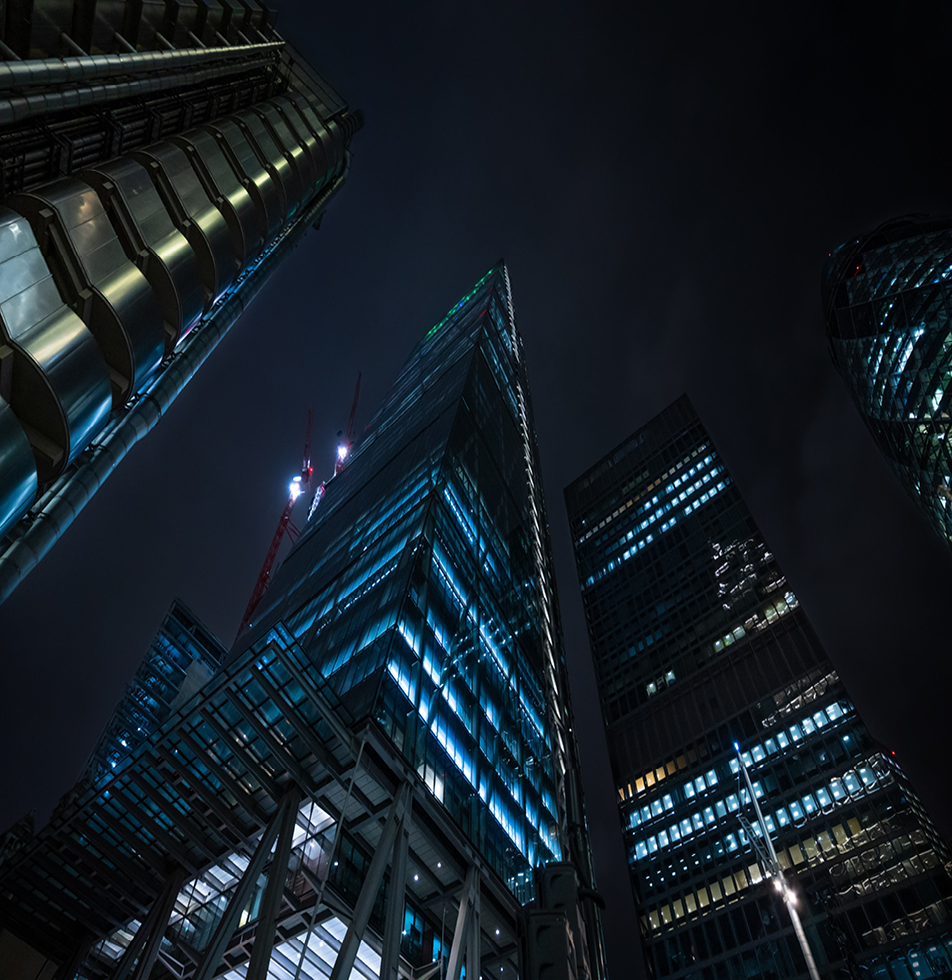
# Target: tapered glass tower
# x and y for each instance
(401, 693)
(888, 303)
(707, 665)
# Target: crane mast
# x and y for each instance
(298, 485)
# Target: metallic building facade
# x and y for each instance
(157, 161)
(888, 304)
(706, 663)
(382, 776)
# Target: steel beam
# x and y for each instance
(145, 943)
(370, 888)
(396, 901)
(254, 766)
(274, 893)
(195, 785)
(204, 757)
(462, 935)
(229, 921)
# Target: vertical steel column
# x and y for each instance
(396, 901)
(368, 891)
(274, 893)
(462, 935)
(472, 946)
(229, 921)
(69, 968)
(152, 930)
(157, 922)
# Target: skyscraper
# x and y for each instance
(710, 673)
(157, 162)
(888, 304)
(400, 698)
(182, 658)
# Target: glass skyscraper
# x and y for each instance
(401, 691)
(182, 657)
(888, 302)
(424, 592)
(706, 663)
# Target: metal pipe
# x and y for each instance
(57, 71)
(61, 504)
(9, 53)
(72, 45)
(776, 872)
(16, 108)
(123, 43)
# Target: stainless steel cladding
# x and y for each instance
(308, 139)
(152, 241)
(292, 145)
(275, 159)
(266, 192)
(99, 282)
(135, 228)
(17, 469)
(329, 135)
(194, 215)
(59, 385)
(228, 192)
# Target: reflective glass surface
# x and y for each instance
(706, 663)
(888, 301)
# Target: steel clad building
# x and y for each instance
(157, 161)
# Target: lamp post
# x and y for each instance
(769, 858)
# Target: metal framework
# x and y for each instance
(224, 783)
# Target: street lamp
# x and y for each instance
(769, 857)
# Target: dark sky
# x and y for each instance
(664, 183)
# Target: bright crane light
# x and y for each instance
(296, 489)
(342, 452)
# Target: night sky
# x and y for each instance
(665, 184)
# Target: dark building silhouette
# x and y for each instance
(706, 665)
(888, 302)
(157, 162)
(383, 772)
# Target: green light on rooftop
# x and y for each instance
(460, 304)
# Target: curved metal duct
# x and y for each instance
(152, 241)
(228, 192)
(59, 386)
(194, 215)
(111, 295)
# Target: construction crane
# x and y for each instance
(298, 485)
(345, 442)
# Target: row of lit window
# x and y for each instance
(634, 500)
(730, 886)
(825, 798)
(756, 753)
(639, 545)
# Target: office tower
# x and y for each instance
(400, 698)
(707, 665)
(181, 658)
(888, 305)
(157, 162)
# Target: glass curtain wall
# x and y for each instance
(705, 658)
(422, 590)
